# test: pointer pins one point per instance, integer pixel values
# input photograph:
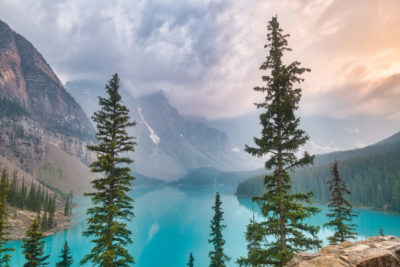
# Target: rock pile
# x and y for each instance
(382, 251)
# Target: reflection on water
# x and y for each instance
(171, 222)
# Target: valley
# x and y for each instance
(199, 133)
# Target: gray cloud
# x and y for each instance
(205, 54)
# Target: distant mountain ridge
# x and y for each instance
(371, 173)
(36, 112)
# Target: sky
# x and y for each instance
(205, 55)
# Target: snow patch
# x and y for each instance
(156, 140)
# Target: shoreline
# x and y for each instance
(19, 221)
(388, 211)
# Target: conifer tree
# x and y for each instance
(112, 206)
(31, 197)
(191, 260)
(33, 247)
(22, 195)
(66, 258)
(340, 210)
(50, 220)
(44, 223)
(13, 192)
(217, 256)
(67, 208)
(381, 233)
(255, 237)
(4, 187)
(284, 232)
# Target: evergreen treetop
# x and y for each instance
(340, 210)
(284, 232)
(4, 188)
(33, 247)
(66, 258)
(191, 260)
(217, 256)
(111, 204)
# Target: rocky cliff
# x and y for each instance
(35, 109)
(376, 251)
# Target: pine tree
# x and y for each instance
(66, 258)
(255, 238)
(43, 222)
(67, 208)
(191, 260)
(31, 198)
(50, 220)
(13, 192)
(4, 187)
(217, 256)
(33, 246)
(340, 210)
(22, 195)
(112, 205)
(284, 232)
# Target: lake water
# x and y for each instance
(170, 223)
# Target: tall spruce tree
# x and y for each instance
(13, 192)
(67, 207)
(4, 187)
(217, 256)
(281, 139)
(191, 260)
(111, 203)
(33, 246)
(66, 258)
(340, 210)
(255, 237)
(22, 195)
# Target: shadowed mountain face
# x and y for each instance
(35, 109)
(372, 174)
(167, 143)
(27, 80)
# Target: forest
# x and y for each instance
(372, 176)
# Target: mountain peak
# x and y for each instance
(35, 109)
(27, 79)
(157, 96)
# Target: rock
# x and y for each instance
(35, 108)
(382, 251)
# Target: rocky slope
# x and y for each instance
(375, 251)
(35, 109)
(20, 219)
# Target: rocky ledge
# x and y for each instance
(375, 251)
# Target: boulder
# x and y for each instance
(382, 251)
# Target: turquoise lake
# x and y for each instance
(171, 222)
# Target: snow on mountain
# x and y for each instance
(156, 140)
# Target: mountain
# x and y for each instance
(168, 144)
(37, 114)
(372, 174)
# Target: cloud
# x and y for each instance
(353, 130)
(205, 54)
(320, 149)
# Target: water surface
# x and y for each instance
(171, 222)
